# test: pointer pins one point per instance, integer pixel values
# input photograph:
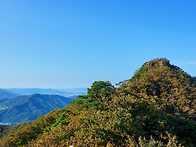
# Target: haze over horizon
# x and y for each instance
(68, 44)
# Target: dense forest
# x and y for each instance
(156, 107)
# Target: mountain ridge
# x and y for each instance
(25, 108)
(155, 107)
(63, 92)
(6, 94)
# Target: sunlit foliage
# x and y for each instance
(156, 107)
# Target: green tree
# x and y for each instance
(99, 94)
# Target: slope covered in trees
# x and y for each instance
(5, 129)
(156, 107)
(30, 107)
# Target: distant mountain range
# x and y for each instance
(62, 92)
(30, 107)
(6, 94)
(23, 104)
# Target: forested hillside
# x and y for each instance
(30, 107)
(5, 129)
(156, 107)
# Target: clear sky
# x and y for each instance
(72, 43)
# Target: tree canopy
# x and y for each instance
(156, 107)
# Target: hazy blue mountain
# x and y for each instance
(28, 91)
(3, 100)
(62, 92)
(74, 90)
(7, 94)
(29, 107)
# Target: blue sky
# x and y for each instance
(72, 43)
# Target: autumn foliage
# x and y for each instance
(156, 107)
